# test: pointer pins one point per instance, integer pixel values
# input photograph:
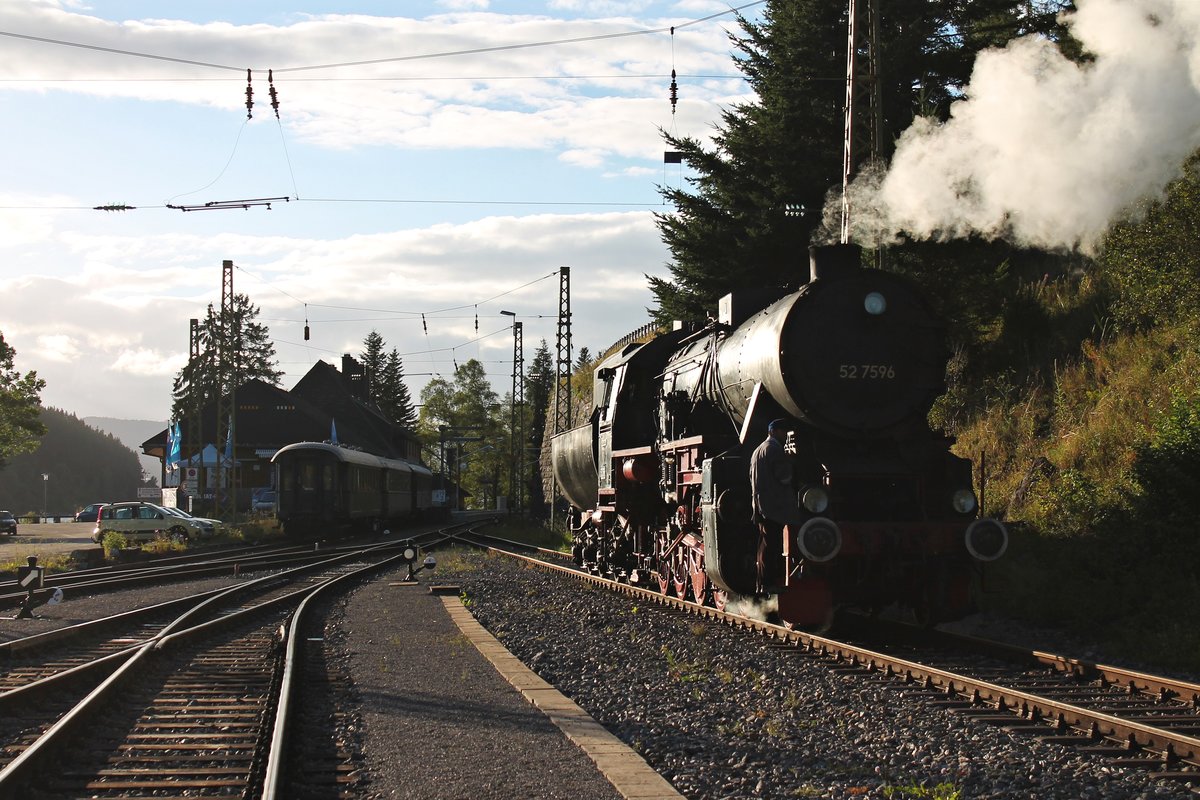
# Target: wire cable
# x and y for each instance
(392, 59)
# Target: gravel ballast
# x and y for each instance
(722, 714)
(718, 712)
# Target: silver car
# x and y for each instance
(213, 524)
(143, 522)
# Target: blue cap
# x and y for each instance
(780, 424)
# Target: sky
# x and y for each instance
(434, 162)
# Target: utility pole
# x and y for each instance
(562, 363)
(863, 138)
(517, 422)
(196, 425)
(519, 412)
(227, 399)
(562, 370)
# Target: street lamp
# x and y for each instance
(45, 489)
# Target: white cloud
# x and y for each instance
(57, 347)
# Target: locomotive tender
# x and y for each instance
(883, 512)
(326, 487)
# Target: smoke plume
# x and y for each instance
(1042, 151)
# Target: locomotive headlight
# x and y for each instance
(964, 501)
(815, 499)
(819, 539)
(986, 539)
(875, 303)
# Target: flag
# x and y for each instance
(333, 430)
(174, 436)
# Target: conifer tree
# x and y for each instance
(748, 213)
(395, 400)
(374, 362)
(200, 381)
(538, 384)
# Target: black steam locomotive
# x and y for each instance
(326, 488)
(884, 513)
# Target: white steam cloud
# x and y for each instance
(1045, 152)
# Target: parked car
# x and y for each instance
(179, 512)
(265, 502)
(89, 513)
(8, 523)
(142, 522)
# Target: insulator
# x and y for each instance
(306, 331)
(249, 96)
(274, 95)
(674, 92)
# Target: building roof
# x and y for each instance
(322, 405)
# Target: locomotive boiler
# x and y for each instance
(881, 511)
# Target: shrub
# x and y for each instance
(113, 543)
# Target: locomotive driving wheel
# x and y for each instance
(679, 574)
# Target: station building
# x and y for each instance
(325, 405)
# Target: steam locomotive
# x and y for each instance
(884, 513)
(324, 488)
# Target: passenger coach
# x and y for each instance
(327, 488)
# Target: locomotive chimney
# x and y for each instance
(831, 261)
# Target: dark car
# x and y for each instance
(8, 523)
(89, 513)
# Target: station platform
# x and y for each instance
(448, 712)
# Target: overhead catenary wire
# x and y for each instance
(386, 60)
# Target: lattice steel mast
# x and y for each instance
(562, 364)
(862, 142)
(227, 354)
(196, 424)
(518, 419)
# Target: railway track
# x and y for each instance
(190, 698)
(235, 561)
(1131, 718)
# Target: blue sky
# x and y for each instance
(415, 185)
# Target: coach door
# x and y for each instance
(311, 479)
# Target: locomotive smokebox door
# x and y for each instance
(730, 537)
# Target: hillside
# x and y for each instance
(84, 465)
(131, 433)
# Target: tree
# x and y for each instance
(385, 381)
(203, 378)
(85, 466)
(20, 406)
(759, 192)
(584, 360)
(395, 401)
(374, 361)
(1150, 265)
(538, 385)
(466, 417)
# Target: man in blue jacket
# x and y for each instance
(773, 500)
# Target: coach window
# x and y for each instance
(308, 476)
(327, 477)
